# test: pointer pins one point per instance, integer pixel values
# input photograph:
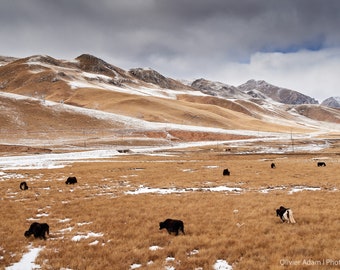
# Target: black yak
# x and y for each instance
(71, 180)
(23, 186)
(226, 172)
(172, 225)
(39, 230)
(285, 214)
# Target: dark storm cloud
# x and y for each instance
(182, 38)
(195, 27)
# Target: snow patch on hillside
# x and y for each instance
(90, 80)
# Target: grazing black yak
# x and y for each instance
(39, 230)
(321, 164)
(71, 180)
(172, 225)
(285, 214)
(226, 172)
(23, 186)
(273, 166)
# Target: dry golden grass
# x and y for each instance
(241, 228)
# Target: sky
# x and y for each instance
(292, 43)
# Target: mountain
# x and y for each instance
(276, 93)
(92, 64)
(4, 60)
(333, 102)
(153, 77)
(97, 71)
(42, 98)
(218, 89)
(252, 89)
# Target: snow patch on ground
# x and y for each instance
(153, 248)
(84, 223)
(193, 252)
(77, 238)
(143, 190)
(27, 260)
(302, 188)
(4, 176)
(68, 229)
(64, 220)
(222, 265)
(49, 161)
(135, 266)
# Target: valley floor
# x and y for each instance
(109, 219)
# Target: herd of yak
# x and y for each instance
(40, 230)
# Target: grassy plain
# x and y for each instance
(239, 227)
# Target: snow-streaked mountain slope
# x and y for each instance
(333, 102)
(276, 93)
(87, 94)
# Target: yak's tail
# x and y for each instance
(290, 216)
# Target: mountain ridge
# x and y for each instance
(36, 89)
(250, 89)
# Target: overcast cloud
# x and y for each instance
(290, 43)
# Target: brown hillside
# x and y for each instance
(218, 102)
(320, 113)
(89, 82)
(33, 119)
(171, 111)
